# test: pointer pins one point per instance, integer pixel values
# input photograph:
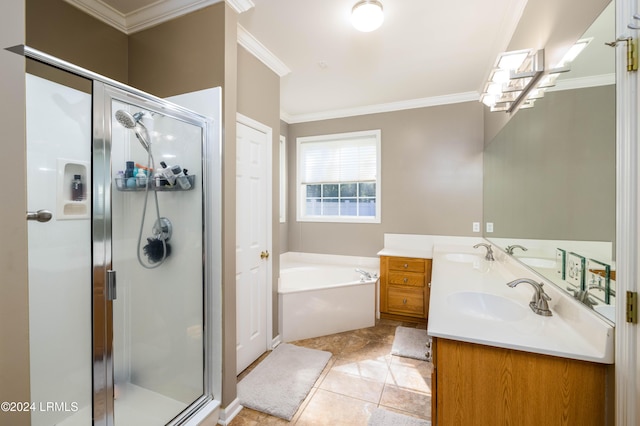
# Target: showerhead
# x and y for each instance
(130, 121)
(126, 119)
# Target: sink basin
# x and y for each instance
(487, 306)
(537, 262)
(608, 311)
(461, 257)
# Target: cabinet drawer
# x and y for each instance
(406, 264)
(406, 300)
(406, 278)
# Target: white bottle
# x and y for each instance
(141, 178)
(181, 178)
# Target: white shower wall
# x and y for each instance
(58, 138)
(158, 316)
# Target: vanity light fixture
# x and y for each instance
(519, 78)
(367, 15)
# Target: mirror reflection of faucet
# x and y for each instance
(509, 249)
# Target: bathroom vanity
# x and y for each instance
(404, 288)
(497, 362)
(472, 382)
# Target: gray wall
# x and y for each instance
(14, 287)
(259, 99)
(551, 171)
(284, 227)
(431, 178)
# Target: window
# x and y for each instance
(339, 177)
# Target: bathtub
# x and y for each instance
(323, 294)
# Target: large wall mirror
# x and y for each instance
(549, 177)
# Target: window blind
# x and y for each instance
(340, 160)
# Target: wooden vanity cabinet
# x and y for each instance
(404, 288)
(482, 385)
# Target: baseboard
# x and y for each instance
(276, 341)
(229, 412)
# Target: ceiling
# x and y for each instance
(426, 52)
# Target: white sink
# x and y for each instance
(461, 257)
(538, 262)
(487, 306)
(608, 311)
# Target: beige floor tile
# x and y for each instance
(351, 386)
(414, 377)
(410, 401)
(366, 368)
(330, 409)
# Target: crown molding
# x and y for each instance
(138, 20)
(583, 82)
(380, 108)
(240, 5)
(102, 12)
(257, 49)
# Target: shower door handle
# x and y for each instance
(40, 215)
(111, 285)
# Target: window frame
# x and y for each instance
(301, 215)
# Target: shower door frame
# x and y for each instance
(104, 91)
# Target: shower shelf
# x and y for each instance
(164, 185)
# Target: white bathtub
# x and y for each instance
(323, 294)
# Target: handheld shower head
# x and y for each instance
(130, 121)
(127, 120)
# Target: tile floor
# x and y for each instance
(360, 376)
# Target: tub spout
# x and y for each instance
(366, 275)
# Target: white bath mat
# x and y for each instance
(279, 384)
(381, 417)
(410, 343)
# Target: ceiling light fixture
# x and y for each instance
(367, 15)
(519, 78)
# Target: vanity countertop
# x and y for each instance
(462, 281)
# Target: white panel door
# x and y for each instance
(252, 244)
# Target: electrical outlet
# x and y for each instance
(489, 226)
(476, 226)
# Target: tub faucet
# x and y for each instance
(368, 275)
(509, 249)
(489, 255)
(539, 301)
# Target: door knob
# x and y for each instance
(264, 254)
(40, 215)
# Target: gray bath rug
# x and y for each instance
(410, 343)
(381, 417)
(280, 383)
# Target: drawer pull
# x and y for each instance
(406, 280)
(404, 301)
(406, 265)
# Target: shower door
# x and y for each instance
(149, 295)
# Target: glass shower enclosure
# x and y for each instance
(124, 176)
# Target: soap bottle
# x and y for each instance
(167, 174)
(77, 190)
(141, 178)
(120, 180)
(180, 177)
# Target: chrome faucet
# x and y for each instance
(539, 301)
(368, 275)
(509, 249)
(489, 255)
